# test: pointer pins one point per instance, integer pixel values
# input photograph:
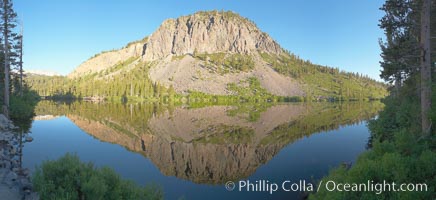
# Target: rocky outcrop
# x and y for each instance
(14, 180)
(213, 32)
(183, 38)
(208, 32)
(108, 59)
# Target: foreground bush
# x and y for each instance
(22, 106)
(21, 109)
(69, 178)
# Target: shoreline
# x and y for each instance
(15, 181)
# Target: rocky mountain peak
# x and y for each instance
(201, 32)
(213, 31)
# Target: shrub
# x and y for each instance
(228, 63)
(69, 178)
(21, 107)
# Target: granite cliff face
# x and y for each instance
(202, 32)
(173, 50)
(208, 32)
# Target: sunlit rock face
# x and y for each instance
(208, 32)
(105, 60)
(172, 52)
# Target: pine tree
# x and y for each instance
(400, 51)
(17, 61)
(8, 23)
(408, 48)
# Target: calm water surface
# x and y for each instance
(192, 152)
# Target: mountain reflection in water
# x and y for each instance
(211, 144)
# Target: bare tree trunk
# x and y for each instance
(425, 67)
(397, 83)
(21, 61)
(5, 35)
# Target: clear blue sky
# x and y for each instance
(59, 35)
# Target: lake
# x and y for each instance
(193, 151)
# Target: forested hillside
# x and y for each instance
(134, 83)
